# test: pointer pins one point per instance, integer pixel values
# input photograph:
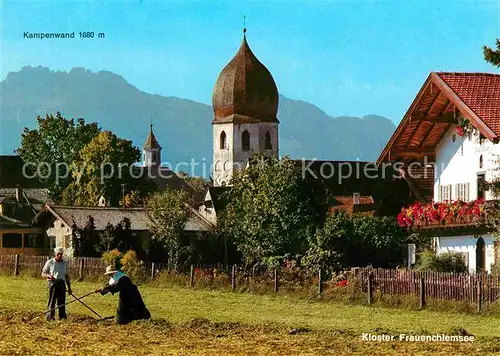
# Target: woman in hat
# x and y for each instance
(130, 306)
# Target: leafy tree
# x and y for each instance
(53, 147)
(382, 240)
(491, 55)
(356, 240)
(108, 238)
(133, 199)
(330, 246)
(102, 166)
(200, 186)
(168, 212)
(271, 211)
(86, 241)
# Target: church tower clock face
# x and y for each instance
(245, 104)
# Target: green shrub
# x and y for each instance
(112, 258)
(444, 262)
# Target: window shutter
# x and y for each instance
(467, 189)
(440, 193)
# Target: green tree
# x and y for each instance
(381, 242)
(86, 241)
(330, 246)
(53, 147)
(168, 213)
(102, 166)
(271, 211)
(356, 240)
(492, 55)
(200, 186)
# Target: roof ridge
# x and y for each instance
(95, 208)
(469, 74)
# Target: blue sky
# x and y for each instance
(347, 57)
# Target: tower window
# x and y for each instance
(268, 145)
(245, 141)
(154, 157)
(481, 161)
(223, 140)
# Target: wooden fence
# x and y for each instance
(463, 287)
(78, 266)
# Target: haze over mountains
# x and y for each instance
(183, 127)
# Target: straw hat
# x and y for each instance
(58, 250)
(110, 270)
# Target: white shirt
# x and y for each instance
(57, 269)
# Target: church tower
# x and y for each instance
(245, 103)
(152, 150)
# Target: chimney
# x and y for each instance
(355, 202)
(19, 194)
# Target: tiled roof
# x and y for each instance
(346, 203)
(103, 216)
(480, 92)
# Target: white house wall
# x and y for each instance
(458, 162)
(467, 244)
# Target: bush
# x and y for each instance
(445, 262)
(127, 263)
(112, 258)
(132, 266)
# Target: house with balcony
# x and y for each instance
(446, 147)
(20, 200)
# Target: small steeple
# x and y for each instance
(151, 141)
(151, 150)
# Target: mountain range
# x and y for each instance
(182, 126)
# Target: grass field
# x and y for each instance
(206, 322)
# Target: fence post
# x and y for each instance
(191, 275)
(370, 288)
(422, 292)
(276, 280)
(153, 270)
(320, 282)
(16, 268)
(233, 278)
(479, 292)
(80, 271)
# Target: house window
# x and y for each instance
(462, 191)
(481, 186)
(12, 240)
(32, 240)
(445, 192)
(268, 145)
(223, 140)
(245, 141)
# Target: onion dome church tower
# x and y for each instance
(245, 103)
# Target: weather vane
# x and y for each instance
(244, 24)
